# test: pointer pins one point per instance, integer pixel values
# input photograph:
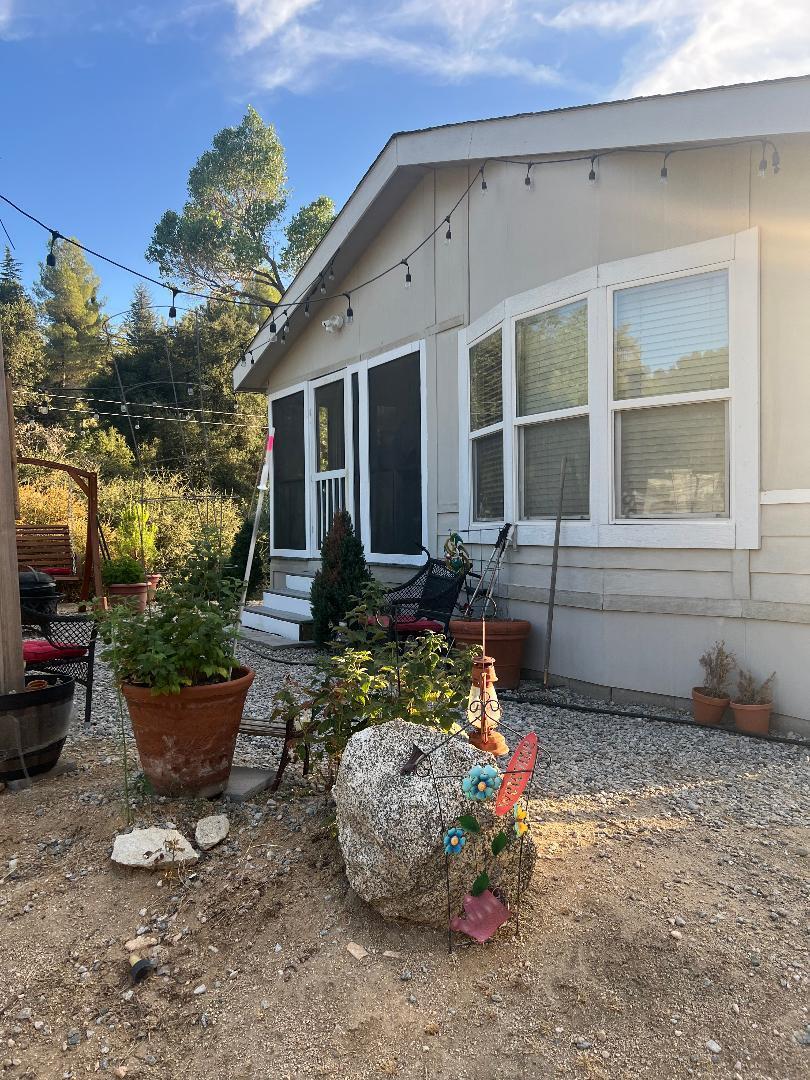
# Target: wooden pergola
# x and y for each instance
(87, 482)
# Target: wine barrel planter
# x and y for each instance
(505, 643)
(35, 722)
(186, 741)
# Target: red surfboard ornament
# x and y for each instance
(517, 774)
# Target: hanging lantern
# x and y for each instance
(484, 710)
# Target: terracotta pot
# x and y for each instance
(505, 642)
(134, 595)
(186, 740)
(707, 709)
(152, 582)
(752, 719)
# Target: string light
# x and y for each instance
(663, 176)
(448, 236)
(592, 173)
(775, 161)
(349, 312)
(306, 308)
(51, 258)
(483, 180)
(173, 309)
(323, 286)
(763, 164)
(407, 274)
(332, 270)
(528, 178)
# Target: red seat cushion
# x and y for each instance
(55, 571)
(40, 651)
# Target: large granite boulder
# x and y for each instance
(391, 827)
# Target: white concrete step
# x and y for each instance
(299, 583)
(288, 599)
(286, 624)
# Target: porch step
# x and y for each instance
(294, 600)
(299, 582)
(286, 624)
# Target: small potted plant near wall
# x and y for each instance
(125, 582)
(711, 700)
(183, 686)
(752, 703)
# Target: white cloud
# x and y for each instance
(694, 43)
(297, 43)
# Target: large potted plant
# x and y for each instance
(125, 582)
(711, 700)
(752, 703)
(177, 670)
(505, 643)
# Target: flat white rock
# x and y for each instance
(151, 849)
(211, 831)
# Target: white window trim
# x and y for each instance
(739, 254)
(310, 456)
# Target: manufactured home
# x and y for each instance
(626, 285)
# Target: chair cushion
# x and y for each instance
(41, 651)
(56, 571)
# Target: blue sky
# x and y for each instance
(106, 104)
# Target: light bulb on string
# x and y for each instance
(527, 180)
(323, 287)
(483, 180)
(763, 164)
(51, 257)
(775, 161)
(137, 425)
(448, 236)
(349, 312)
(592, 173)
(663, 176)
(124, 409)
(332, 271)
(173, 309)
(190, 389)
(272, 330)
(306, 308)
(407, 274)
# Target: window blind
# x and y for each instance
(488, 477)
(671, 336)
(552, 359)
(673, 461)
(542, 447)
(486, 392)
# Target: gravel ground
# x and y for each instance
(665, 935)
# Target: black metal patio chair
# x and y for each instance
(65, 645)
(423, 603)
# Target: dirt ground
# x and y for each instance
(644, 937)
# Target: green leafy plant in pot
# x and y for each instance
(125, 582)
(711, 700)
(752, 703)
(178, 672)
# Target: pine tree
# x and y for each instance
(343, 573)
(23, 345)
(11, 286)
(71, 310)
(142, 323)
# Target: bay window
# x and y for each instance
(643, 375)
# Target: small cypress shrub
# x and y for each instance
(342, 575)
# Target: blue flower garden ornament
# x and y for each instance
(454, 841)
(481, 782)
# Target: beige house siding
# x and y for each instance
(634, 618)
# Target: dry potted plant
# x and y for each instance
(176, 668)
(753, 703)
(711, 700)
